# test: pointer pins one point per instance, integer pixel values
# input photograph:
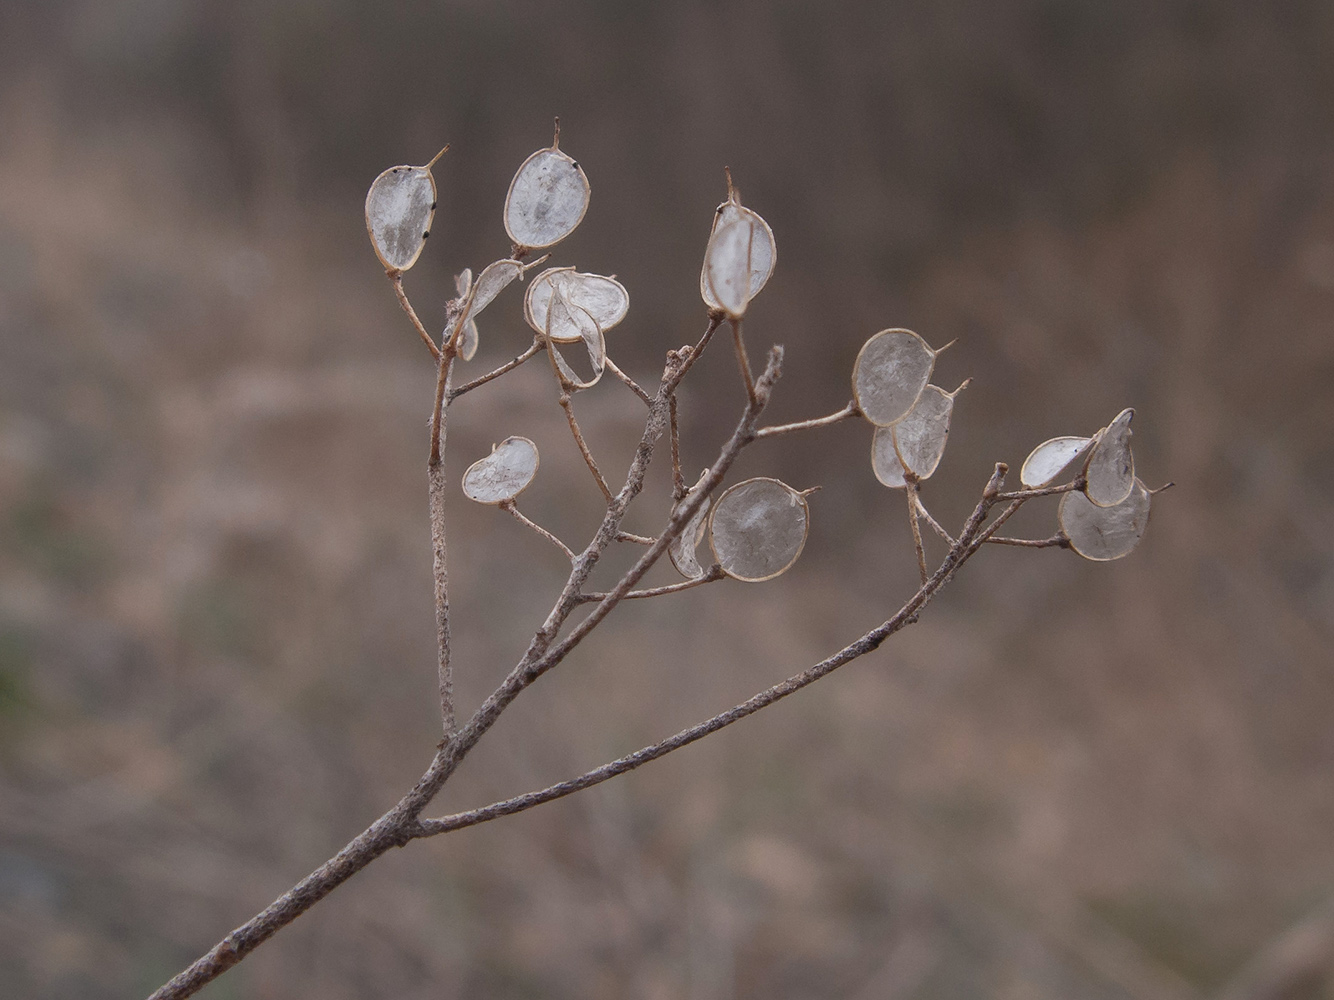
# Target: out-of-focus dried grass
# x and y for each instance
(216, 646)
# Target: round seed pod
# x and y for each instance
(400, 207)
(758, 528)
(891, 370)
(492, 281)
(1101, 534)
(1047, 461)
(603, 298)
(1111, 468)
(547, 199)
(744, 266)
(503, 474)
(919, 438)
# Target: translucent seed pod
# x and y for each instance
(682, 551)
(567, 318)
(400, 207)
(885, 460)
(547, 199)
(492, 281)
(891, 370)
(470, 339)
(1047, 461)
(758, 528)
(1101, 534)
(603, 298)
(763, 250)
(503, 474)
(728, 265)
(919, 438)
(1111, 468)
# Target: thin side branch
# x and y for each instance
(911, 492)
(847, 413)
(634, 386)
(396, 279)
(712, 574)
(1046, 491)
(512, 508)
(743, 359)
(626, 536)
(678, 480)
(936, 526)
(583, 446)
(1054, 542)
(508, 366)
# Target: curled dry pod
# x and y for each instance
(889, 375)
(492, 281)
(757, 529)
(1105, 533)
(399, 209)
(503, 474)
(603, 298)
(885, 460)
(470, 339)
(547, 199)
(1047, 461)
(570, 319)
(762, 249)
(1111, 468)
(682, 550)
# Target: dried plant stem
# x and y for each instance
(678, 480)
(911, 492)
(626, 536)
(1047, 491)
(847, 413)
(1054, 542)
(509, 505)
(926, 515)
(396, 279)
(508, 366)
(743, 359)
(583, 446)
(635, 387)
(435, 475)
(712, 574)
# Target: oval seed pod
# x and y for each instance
(492, 281)
(1101, 534)
(503, 474)
(885, 460)
(758, 528)
(400, 207)
(1111, 468)
(1047, 461)
(682, 550)
(547, 199)
(763, 250)
(603, 298)
(570, 318)
(728, 264)
(889, 375)
(919, 438)
(470, 339)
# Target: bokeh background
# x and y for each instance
(216, 638)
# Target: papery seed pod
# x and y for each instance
(682, 551)
(758, 528)
(492, 281)
(1101, 534)
(1111, 467)
(920, 437)
(400, 207)
(761, 254)
(1047, 461)
(547, 199)
(470, 338)
(567, 318)
(503, 474)
(603, 298)
(891, 370)
(885, 459)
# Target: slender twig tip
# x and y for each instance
(436, 157)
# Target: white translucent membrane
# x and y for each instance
(1111, 468)
(682, 550)
(561, 315)
(885, 460)
(763, 251)
(891, 371)
(503, 474)
(920, 436)
(470, 339)
(399, 208)
(728, 265)
(1105, 533)
(603, 298)
(547, 199)
(757, 529)
(1047, 461)
(492, 281)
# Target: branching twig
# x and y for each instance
(626, 536)
(1054, 542)
(508, 366)
(634, 386)
(743, 359)
(512, 508)
(712, 574)
(936, 526)
(583, 446)
(678, 480)
(847, 413)
(396, 279)
(911, 492)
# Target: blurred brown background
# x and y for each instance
(216, 641)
